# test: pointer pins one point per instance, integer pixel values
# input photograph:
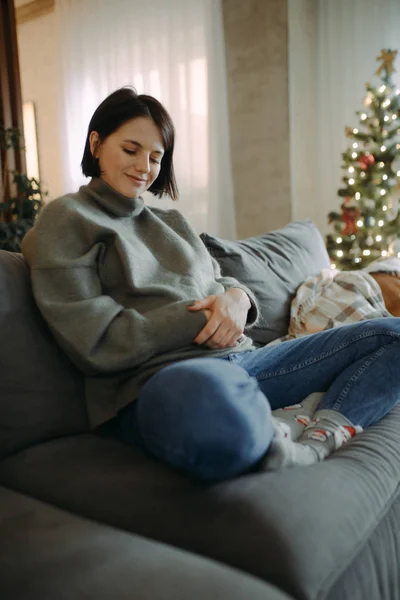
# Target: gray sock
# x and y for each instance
(284, 452)
(327, 432)
(299, 416)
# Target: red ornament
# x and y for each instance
(367, 160)
(350, 214)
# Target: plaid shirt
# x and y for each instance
(332, 299)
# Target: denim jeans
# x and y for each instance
(212, 417)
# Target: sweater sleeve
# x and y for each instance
(97, 333)
(229, 283)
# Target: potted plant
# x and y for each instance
(21, 205)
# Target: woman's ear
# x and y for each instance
(94, 142)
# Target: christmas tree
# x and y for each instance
(368, 226)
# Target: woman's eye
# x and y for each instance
(157, 162)
(130, 152)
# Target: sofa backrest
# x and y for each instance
(272, 265)
(41, 392)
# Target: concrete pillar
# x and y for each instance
(256, 40)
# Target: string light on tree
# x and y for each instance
(367, 226)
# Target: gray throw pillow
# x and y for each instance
(272, 265)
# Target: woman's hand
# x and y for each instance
(226, 314)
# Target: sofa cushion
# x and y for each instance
(42, 394)
(49, 554)
(272, 265)
(325, 531)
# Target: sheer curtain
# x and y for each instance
(173, 50)
(350, 36)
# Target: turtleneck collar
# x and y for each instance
(114, 202)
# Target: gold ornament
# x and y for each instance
(368, 99)
(369, 241)
(387, 57)
(348, 131)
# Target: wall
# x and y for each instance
(39, 58)
(256, 39)
(303, 107)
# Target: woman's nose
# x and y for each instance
(143, 163)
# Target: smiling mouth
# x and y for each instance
(132, 178)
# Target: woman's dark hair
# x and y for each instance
(118, 108)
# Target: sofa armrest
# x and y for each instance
(47, 553)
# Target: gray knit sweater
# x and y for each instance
(113, 278)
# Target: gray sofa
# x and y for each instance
(85, 517)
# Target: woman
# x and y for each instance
(133, 297)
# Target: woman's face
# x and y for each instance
(130, 158)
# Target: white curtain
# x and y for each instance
(170, 49)
(351, 34)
